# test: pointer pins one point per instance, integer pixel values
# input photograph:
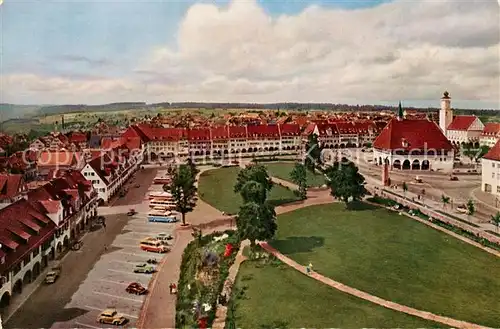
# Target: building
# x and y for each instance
(59, 160)
(109, 171)
(38, 227)
(490, 135)
(460, 129)
(413, 145)
(341, 134)
(465, 129)
(490, 171)
(11, 188)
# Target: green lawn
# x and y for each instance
(216, 188)
(280, 297)
(282, 170)
(396, 258)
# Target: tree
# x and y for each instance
(469, 152)
(495, 220)
(183, 190)
(481, 152)
(253, 172)
(445, 200)
(256, 222)
(471, 208)
(192, 166)
(404, 186)
(345, 182)
(299, 177)
(313, 153)
(253, 191)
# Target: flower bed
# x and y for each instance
(204, 269)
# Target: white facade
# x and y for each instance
(469, 135)
(445, 113)
(442, 163)
(490, 176)
(97, 183)
(489, 140)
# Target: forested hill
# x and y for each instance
(56, 109)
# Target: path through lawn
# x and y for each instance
(282, 170)
(216, 188)
(396, 258)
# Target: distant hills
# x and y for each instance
(12, 111)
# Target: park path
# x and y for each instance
(376, 300)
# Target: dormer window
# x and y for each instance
(404, 143)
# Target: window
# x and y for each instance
(36, 251)
(493, 165)
(492, 175)
(17, 268)
(26, 260)
(498, 189)
(487, 188)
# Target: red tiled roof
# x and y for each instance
(237, 131)
(57, 158)
(288, 129)
(51, 206)
(199, 134)
(219, 133)
(415, 134)
(491, 129)
(10, 185)
(493, 153)
(14, 229)
(462, 122)
(259, 131)
(77, 137)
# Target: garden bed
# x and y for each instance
(204, 269)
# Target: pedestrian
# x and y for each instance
(171, 286)
(310, 267)
(308, 270)
(105, 247)
(174, 288)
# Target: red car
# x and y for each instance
(136, 288)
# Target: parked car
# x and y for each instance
(131, 212)
(164, 237)
(111, 316)
(136, 288)
(53, 274)
(453, 178)
(144, 268)
(462, 209)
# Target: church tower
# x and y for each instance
(446, 113)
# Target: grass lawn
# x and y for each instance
(396, 258)
(282, 170)
(280, 297)
(216, 188)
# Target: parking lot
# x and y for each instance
(105, 284)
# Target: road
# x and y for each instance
(63, 302)
(435, 184)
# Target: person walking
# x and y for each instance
(310, 266)
(171, 287)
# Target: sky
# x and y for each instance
(259, 51)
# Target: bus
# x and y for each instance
(160, 195)
(162, 180)
(166, 204)
(153, 245)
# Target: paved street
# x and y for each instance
(93, 278)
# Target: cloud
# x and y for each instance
(84, 59)
(410, 50)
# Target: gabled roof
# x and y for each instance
(493, 153)
(491, 129)
(462, 122)
(99, 166)
(237, 131)
(411, 134)
(19, 223)
(10, 185)
(58, 158)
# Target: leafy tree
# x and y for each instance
(404, 186)
(481, 152)
(313, 153)
(256, 222)
(192, 166)
(253, 172)
(445, 200)
(253, 191)
(471, 208)
(299, 177)
(345, 181)
(495, 220)
(469, 152)
(183, 190)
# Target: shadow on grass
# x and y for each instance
(280, 202)
(298, 244)
(360, 206)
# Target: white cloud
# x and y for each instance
(411, 50)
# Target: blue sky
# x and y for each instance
(97, 40)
